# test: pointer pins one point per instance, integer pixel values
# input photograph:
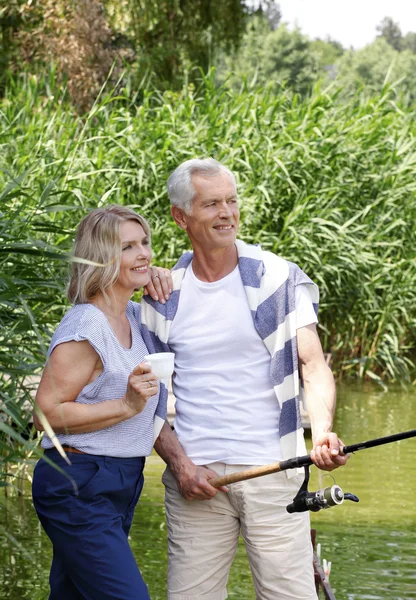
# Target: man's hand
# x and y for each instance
(326, 453)
(194, 483)
(160, 285)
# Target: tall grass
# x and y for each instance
(328, 185)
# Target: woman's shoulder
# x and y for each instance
(81, 322)
(82, 315)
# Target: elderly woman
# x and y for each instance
(102, 401)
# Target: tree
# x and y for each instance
(171, 36)
(409, 42)
(86, 38)
(271, 11)
(266, 55)
(288, 58)
(371, 66)
(72, 35)
(327, 51)
(15, 16)
(391, 32)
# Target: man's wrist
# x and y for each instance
(321, 428)
(181, 467)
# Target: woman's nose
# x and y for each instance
(144, 252)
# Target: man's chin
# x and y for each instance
(227, 237)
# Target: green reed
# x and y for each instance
(326, 184)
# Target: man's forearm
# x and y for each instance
(320, 396)
(169, 449)
(193, 480)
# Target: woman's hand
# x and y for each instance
(73, 365)
(160, 285)
(141, 386)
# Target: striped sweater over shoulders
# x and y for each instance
(269, 282)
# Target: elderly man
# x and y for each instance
(242, 324)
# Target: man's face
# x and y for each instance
(214, 219)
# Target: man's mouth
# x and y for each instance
(223, 227)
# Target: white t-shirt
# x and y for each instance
(226, 408)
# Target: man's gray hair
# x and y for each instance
(180, 188)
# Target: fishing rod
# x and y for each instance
(305, 500)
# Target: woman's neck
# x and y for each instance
(113, 306)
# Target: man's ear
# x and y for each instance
(179, 216)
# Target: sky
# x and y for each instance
(351, 22)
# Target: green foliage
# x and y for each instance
(327, 51)
(14, 15)
(71, 34)
(288, 59)
(371, 67)
(172, 36)
(266, 55)
(159, 39)
(409, 42)
(391, 32)
(330, 186)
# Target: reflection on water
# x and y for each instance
(372, 545)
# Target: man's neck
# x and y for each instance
(215, 264)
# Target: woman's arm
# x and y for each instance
(72, 366)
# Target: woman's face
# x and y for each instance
(136, 255)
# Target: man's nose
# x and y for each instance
(225, 210)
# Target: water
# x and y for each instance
(372, 545)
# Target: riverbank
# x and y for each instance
(372, 545)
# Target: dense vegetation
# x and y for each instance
(325, 167)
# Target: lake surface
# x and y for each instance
(372, 545)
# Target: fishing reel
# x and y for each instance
(314, 501)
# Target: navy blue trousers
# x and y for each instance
(87, 516)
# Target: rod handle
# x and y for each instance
(246, 474)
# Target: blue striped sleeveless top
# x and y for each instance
(130, 438)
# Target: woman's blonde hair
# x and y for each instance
(98, 240)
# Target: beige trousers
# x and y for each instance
(203, 537)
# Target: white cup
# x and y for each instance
(162, 364)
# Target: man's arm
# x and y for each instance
(320, 399)
(192, 480)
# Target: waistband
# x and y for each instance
(75, 452)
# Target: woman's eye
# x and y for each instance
(126, 247)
